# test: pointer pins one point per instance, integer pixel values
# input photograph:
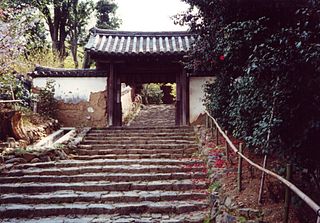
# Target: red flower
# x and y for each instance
(221, 58)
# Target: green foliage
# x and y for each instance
(79, 15)
(106, 18)
(47, 104)
(215, 186)
(265, 57)
(15, 87)
(173, 90)
(152, 94)
(242, 219)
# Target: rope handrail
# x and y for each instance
(295, 189)
(10, 101)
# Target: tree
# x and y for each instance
(106, 18)
(79, 16)
(12, 44)
(264, 55)
(66, 20)
(56, 19)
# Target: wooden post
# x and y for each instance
(110, 90)
(217, 136)
(212, 127)
(207, 121)
(184, 97)
(287, 200)
(178, 100)
(117, 102)
(240, 169)
(262, 180)
(12, 94)
(227, 147)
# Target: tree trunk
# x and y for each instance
(11, 126)
(74, 34)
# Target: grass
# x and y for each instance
(215, 186)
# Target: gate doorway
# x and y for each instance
(137, 58)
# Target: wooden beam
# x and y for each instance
(117, 102)
(188, 99)
(110, 90)
(184, 97)
(178, 99)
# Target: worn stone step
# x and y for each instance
(166, 123)
(128, 147)
(140, 130)
(139, 137)
(154, 131)
(137, 141)
(190, 217)
(103, 151)
(115, 177)
(136, 168)
(136, 145)
(102, 197)
(46, 210)
(133, 156)
(108, 162)
(139, 134)
(150, 128)
(173, 185)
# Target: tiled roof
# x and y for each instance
(61, 72)
(112, 42)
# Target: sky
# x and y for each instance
(149, 15)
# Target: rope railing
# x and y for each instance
(10, 101)
(313, 205)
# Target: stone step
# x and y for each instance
(133, 156)
(137, 141)
(114, 177)
(157, 147)
(46, 210)
(102, 151)
(139, 137)
(141, 122)
(137, 134)
(171, 185)
(102, 197)
(146, 129)
(133, 169)
(108, 162)
(190, 217)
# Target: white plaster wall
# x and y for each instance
(73, 89)
(196, 85)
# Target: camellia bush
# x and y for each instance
(265, 56)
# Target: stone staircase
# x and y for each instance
(129, 174)
(155, 115)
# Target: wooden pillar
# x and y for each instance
(178, 99)
(117, 101)
(184, 98)
(111, 86)
(188, 100)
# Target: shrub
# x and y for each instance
(47, 104)
(151, 93)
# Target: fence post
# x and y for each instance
(287, 196)
(227, 147)
(207, 121)
(212, 127)
(263, 175)
(217, 136)
(240, 169)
